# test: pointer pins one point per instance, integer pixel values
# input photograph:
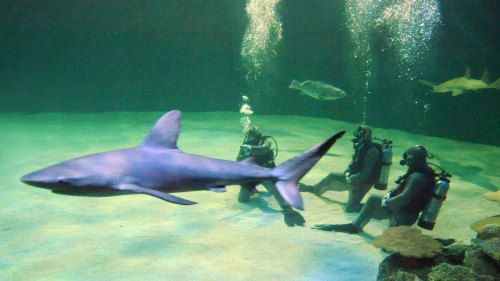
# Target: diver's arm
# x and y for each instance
(261, 149)
(416, 182)
(369, 162)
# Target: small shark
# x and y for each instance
(157, 167)
(458, 85)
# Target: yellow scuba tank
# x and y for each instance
(428, 217)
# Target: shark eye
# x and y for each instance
(60, 180)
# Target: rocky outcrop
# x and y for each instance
(478, 261)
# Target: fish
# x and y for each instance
(157, 167)
(318, 90)
(465, 83)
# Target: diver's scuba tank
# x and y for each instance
(428, 217)
(386, 162)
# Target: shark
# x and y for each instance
(157, 167)
(465, 83)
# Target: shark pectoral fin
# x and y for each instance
(162, 195)
(427, 83)
(217, 188)
(456, 93)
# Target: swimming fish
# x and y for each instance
(318, 90)
(157, 167)
(461, 84)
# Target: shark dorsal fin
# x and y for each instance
(467, 72)
(486, 77)
(165, 131)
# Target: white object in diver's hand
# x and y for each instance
(384, 200)
(348, 177)
(247, 149)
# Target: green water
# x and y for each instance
(81, 77)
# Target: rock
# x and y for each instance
(480, 263)
(409, 242)
(450, 272)
(402, 276)
(490, 248)
(395, 263)
(455, 253)
(489, 231)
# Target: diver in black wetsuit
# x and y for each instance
(260, 148)
(402, 205)
(359, 176)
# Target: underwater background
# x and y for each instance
(81, 77)
(99, 56)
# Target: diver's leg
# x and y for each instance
(372, 209)
(356, 194)
(334, 182)
(292, 217)
(403, 218)
(244, 195)
(275, 193)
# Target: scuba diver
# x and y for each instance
(365, 170)
(403, 204)
(260, 148)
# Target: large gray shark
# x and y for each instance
(460, 84)
(157, 167)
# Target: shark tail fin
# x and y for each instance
(495, 84)
(486, 77)
(291, 171)
(430, 84)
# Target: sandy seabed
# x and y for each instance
(48, 236)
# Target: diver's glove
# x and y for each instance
(348, 177)
(384, 200)
(247, 149)
(292, 217)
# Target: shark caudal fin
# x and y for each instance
(291, 171)
(495, 84)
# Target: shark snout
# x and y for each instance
(39, 179)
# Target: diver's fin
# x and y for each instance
(485, 78)
(457, 92)
(467, 72)
(221, 188)
(427, 83)
(162, 195)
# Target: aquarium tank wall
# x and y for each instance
(98, 56)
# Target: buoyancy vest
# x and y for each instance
(420, 201)
(359, 157)
(264, 160)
